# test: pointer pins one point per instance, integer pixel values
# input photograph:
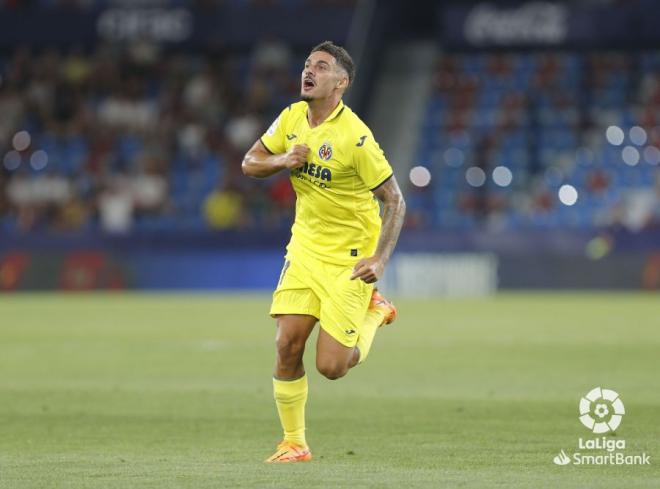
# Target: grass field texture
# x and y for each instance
(174, 391)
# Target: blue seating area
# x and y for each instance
(95, 124)
(508, 139)
(545, 117)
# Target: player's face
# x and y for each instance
(321, 77)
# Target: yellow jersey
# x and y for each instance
(337, 216)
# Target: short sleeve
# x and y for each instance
(370, 162)
(273, 138)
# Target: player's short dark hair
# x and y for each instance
(341, 55)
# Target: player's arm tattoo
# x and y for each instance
(394, 211)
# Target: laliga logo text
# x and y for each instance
(601, 411)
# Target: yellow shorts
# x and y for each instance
(316, 288)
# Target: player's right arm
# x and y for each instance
(269, 155)
(259, 162)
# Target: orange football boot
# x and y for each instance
(289, 452)
(388, 309)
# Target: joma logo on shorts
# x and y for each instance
(316, 171)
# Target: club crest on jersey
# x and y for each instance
(325, 151)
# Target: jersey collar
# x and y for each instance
(333, 115)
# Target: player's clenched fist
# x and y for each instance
(296, 156)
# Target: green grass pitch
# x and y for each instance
(174, 391)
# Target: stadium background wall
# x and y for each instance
(173, 26)
(240, 262)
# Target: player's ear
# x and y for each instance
(343, 83)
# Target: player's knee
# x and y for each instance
(331, 371)
(289, 348)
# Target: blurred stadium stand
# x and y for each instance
(124, 123)
(119, 140)
(504, 132)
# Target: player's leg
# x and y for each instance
(347, 332)
(333, 359)
(290, 385)
(296, 308)
(290, 339)
(380, 312)
(344, 303)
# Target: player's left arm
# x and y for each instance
(394, 210)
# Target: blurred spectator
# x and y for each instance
(36, 200)
(116, 207)
(73, 216)
(639, 209)
(128, 110)
(243, 130)
(12, 107)
(271, 55)
(223, 208)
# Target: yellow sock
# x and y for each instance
(372, 320)
(290, 398)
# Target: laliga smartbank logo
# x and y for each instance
(601, 411)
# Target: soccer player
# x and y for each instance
(338, 246)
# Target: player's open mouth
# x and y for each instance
(308, 84)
